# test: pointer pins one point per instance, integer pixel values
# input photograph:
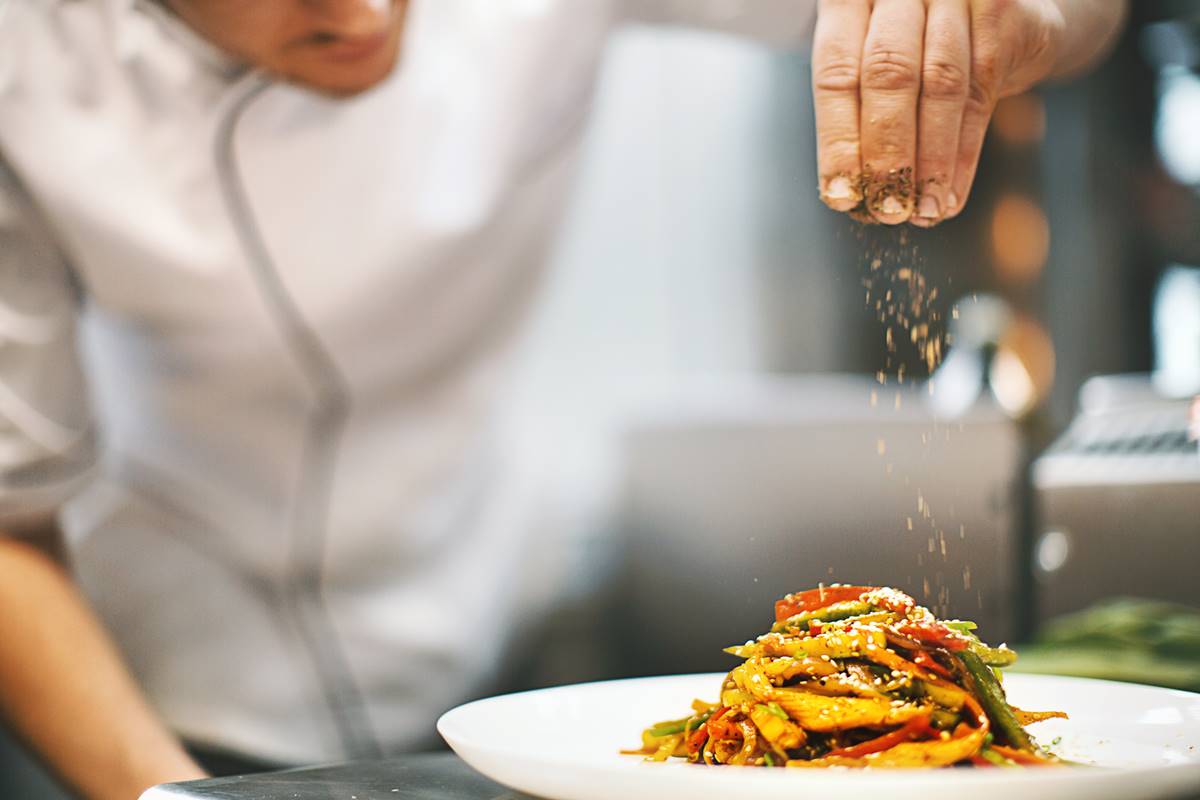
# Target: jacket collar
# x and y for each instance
(140, 30)
(145, 28)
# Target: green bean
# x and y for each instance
(991, 697)
(830, 613)
(987, 754)
(672, 727)
(993, 656)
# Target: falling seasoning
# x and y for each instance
(914, 342)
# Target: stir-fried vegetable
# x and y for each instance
(915, 728)
(819, 713)
(857, 676)
(987, 689)
(813, 599)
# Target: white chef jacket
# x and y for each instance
(252, 339)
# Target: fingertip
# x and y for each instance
(890, 195)
(842, 205)
(928, 207)
(841, 192)
(931, 206)
(891, 219)
(954, 206)
(891, 210)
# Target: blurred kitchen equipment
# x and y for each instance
(997, 350)
(1118, 498)
(1194, 420)
(740, 492)
(1172, 48)
(1177, 332)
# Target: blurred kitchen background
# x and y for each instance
(699, 410)
(700, 395)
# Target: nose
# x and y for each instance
(351, 17)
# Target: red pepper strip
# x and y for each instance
(913, 729)
(699, 736)
(930, 663)
(718, 729)
(933, 633)
(696, 741)
(980, 761)
(1021, 757)
(811, 600)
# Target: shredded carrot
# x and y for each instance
(930, 663)
(913, 729)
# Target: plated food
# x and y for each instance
(854, 677)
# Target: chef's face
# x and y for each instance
(339, 47)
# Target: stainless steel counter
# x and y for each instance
(435, 776)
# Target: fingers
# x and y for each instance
(903, 94)
(983, 93)
(945, 81)
(836, 62)
(891, 83)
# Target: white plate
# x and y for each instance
(562, 743)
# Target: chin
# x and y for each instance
(343, 80)
(347, 88)
(340, 78)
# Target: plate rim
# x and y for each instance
(446, 722)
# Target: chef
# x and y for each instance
(261, 268)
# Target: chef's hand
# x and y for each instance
(904, 90)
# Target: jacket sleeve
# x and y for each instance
(783, 23)
(47, 446)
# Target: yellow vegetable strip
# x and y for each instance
(816, 712)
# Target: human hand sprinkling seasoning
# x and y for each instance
(904, 91)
